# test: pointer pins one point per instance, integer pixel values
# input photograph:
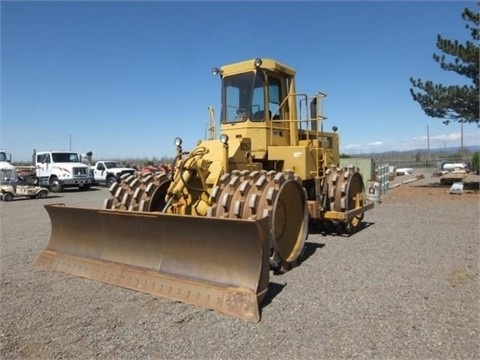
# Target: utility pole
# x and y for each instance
(461, 138)
(428, 146)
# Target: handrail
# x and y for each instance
(313, 124)
(308, 119)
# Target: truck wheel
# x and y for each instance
(55, 185)
(111, 180)
(7, 197)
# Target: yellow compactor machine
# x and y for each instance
(232, 209)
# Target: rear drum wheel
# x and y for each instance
(354, 191)
(345, 193)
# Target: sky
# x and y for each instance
(123, 79)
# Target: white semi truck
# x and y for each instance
(6, 160)
(61, 169)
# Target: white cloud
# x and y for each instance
(352, 146)
(435, 141)
(445, 137)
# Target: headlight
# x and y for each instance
(258, 62)
(177, 141)
(215, 71)
(223, 138)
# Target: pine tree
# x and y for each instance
(454, 103)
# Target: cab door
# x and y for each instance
(100, 172)
(43, 165)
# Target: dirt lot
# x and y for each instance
(404, 287)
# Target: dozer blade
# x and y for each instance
(220, 264)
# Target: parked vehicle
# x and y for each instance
(107, 172)
(61, 169)
(232, 209)
(11, 187)
(5, 160)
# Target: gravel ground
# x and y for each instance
(405, 287)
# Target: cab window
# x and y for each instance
(237, 97)
(258, 98)
(274, 97)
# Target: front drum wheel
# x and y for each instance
(139, 192)
(278, 196)
(289, 226)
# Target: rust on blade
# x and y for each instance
(220, 264)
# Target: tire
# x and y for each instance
(42, 194)
(110, 181)
(7, 197)
(55, 185)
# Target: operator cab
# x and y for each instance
(260, 102)
(256, 103)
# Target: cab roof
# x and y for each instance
(249, 65)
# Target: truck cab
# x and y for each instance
(6, 160)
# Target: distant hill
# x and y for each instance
(455, 150)
(445, 151)
(421, 157)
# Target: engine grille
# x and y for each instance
(80, 171)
